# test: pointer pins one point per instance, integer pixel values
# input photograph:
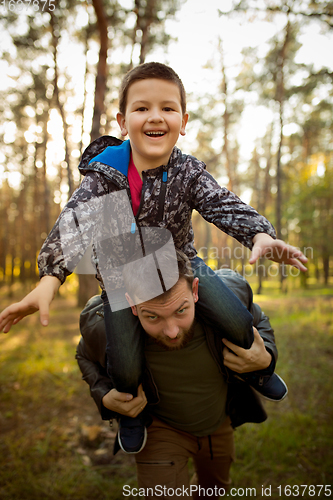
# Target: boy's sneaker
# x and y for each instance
(271, 387)
(132, 434)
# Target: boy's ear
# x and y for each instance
(184, 123)
(122, 124)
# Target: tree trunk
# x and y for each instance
(326, 268)
(22, 226)
(45, 206)
(5, 244)
(145, 27)
(101, 76)
(267, 183)
(88, 283)
(56, 96)
(263, 202)
(280, 96)
(225, 149)
(86, 71)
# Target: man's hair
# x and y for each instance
(140, 274)
(145, 71)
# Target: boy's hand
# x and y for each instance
(124, 403)
(276, 250)
(247, 360)
(39, 299)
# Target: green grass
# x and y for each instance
(45, 408)
(295, 445)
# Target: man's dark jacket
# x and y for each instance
(243, 403)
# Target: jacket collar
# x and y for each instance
(108, 151)
(117, 157)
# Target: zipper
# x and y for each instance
(163, 462)
(144, 189)
(164, 178)
(151, 385)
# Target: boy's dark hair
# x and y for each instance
(145, 71)
(141, 274)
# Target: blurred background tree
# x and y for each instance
(63, 70)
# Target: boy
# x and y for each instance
(163, 186)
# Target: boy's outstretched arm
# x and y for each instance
(39, 299)
(276, 250)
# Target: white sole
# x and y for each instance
(134, 452)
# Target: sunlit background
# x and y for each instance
(257, 138)
(259, 79)
(193, 53)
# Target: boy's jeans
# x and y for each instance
(217, 305)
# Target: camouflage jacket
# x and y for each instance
(169, 194)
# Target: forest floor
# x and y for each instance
(54, 446)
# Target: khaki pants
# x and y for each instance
(162, 465)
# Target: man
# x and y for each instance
(193, 401)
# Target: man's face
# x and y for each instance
(169, 321)
(153, 121)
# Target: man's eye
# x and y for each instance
(152, 318)
(181, 311)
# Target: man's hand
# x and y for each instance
(247, 360)
(39, 299)
(124, 403)
(276, 250)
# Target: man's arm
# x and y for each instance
(124, 403)
(262, 355)
(109, 401)
(264, 327)
(242, 289)
(255, 359)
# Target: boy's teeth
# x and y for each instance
(155, 133)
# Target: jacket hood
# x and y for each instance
(100, 150)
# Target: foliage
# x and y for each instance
(47, 110)
(291, 166)
(308, 10)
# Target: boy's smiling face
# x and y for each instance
(153, 121)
